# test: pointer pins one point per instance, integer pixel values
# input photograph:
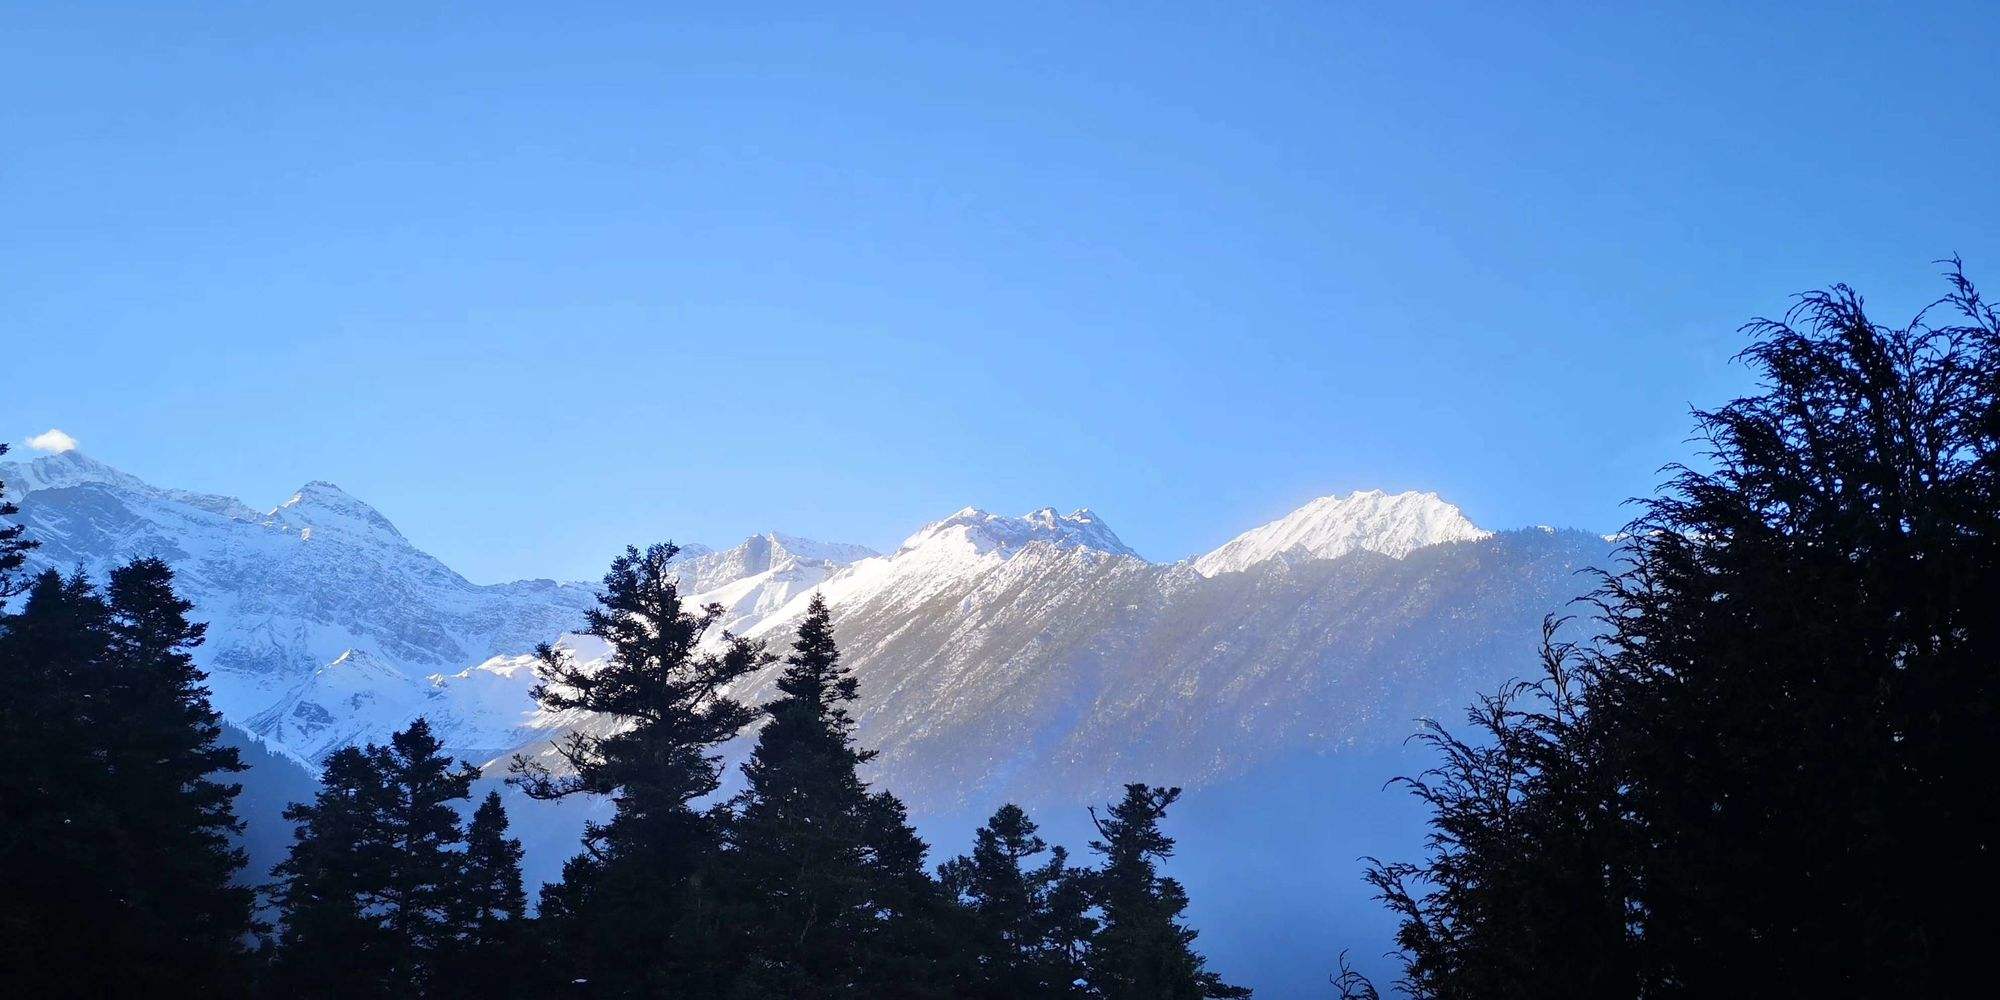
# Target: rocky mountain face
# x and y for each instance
(1033, 657)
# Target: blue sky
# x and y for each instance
(538, 281)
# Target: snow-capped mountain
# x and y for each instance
(1370, 520)
(1034, 657)
(327, 626)
(1031, 658)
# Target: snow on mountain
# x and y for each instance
(326, 625)
(1031, 656)
(1392, 524)
(764, 573)
(355, 699)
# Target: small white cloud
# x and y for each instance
(52, 441)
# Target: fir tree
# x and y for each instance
(647, 921)
(117, 858)
(1144, 952)
(487, 913)
(1030, 922)
(14, 544)
(331, 940)
(424, 829)
(373, 879)
(799, 859)
(56, 817)
(827, 878)
(177, 831)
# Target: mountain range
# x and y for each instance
(1034, 658)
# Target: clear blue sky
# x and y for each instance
(538, 280)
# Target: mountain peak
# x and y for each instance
(70, 467)
(1394, 524)
(321, 505)
(986, 532)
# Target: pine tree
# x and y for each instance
(14, 544)
(423, 828)
(177, 827)
(373, 877)
(55, 815)
(647, 920)
(1029, 924)
(487, 914)
(1143, 951)
(799, 854)
(117, 858)
(331, 940)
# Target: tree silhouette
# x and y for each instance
(646, 918)
(1793, 702)
(1143, 950)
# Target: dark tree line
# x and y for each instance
(117, 859)
(808, 883)
(119, 875)
(1772, 773)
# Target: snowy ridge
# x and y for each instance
(1000, 655)
(1393, 524)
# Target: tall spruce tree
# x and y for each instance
(489, 959)
(1030, 922)
(55, 818)
(799, 858)
(177, 831)
(331, 940)
(1143, 951)
(827, 880)
(647, 922)
(374, 878)
(14, 544)
(424, 829)
(116, 860)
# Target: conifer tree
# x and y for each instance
(647, 921)
(487, 913)
(54, 817)
(424, 867)
(116, 859)
(1029, 923)
(1143, 951)
(799, 859)
(14, 544)
(177, 829)
(332, 942)
(373, 877)
(1793, 701)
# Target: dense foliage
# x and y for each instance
(1768, 776)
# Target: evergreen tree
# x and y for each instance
(1794, 699)
(424, 828)
(332, 942)
(799, 862)
(14, 544)
(1144, 952)
(647, 922)
(1524, 872)
(487, 913)
(1030, 924)
(116, 856)
(177, 832)
(373, 878)
(827, 879)
(55, 820)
